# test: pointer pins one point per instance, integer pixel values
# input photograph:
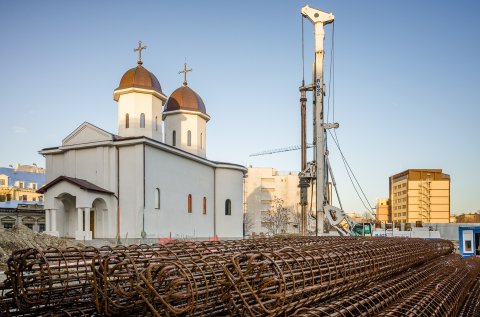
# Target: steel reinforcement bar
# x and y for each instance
(471, 308)
(372, 299)
(56, 277)
(277, 282)
(116, 275)
(443, 295)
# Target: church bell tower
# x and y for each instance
(140, 102)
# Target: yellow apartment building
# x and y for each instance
(382, 210)
(420, 195)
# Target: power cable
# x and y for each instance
(351, 174)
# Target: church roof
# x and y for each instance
(185, 98)
(81, 183)
(139, 77)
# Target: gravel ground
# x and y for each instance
(21, 237)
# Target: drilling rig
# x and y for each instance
(318, 171)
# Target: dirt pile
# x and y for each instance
(21, 237)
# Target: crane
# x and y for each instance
(283, 149)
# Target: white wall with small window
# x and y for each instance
(190, 130)
(136, 115)
(229, 202)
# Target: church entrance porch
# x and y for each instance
(76, 208)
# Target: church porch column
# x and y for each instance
(47, 220)
(53, 216)
(88, 232)
(79, 219)
(51, 222)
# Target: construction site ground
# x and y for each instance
(21, 237)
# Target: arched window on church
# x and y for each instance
(204, 205)
(189, 203)
(127, 121)
(157, 198)
(156, 123)
(174, 138)
(201, 140)
(142, 120)
(228, 207)
(189, 138)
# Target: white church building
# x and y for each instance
(150, 180)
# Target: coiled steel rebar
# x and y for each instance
(375, 297)
(442, 295)
(278, 282)
(337, 276)
(471, 308)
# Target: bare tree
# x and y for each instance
(248, 222)
(277, 217)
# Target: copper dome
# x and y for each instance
(140, 77)
(184, 98)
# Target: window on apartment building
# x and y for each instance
(127, 121)
(40, 198)
(2, 182)
(33, 186)
(156, 123)
(189, 203)
(3, 198)
(9, 197)
(34, 199)
(204, 205)
(189, 138)
(41, 227)
(24, 197)
(142, 120)
(8, 225)
(201, 140)
(157, 198)
(174, 138)
(21, 184)
(228, 207)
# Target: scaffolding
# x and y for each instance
(424, 201)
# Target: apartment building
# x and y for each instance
(420, 195)
(262, 186)
(382, 210)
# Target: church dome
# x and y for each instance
(139, 77)
(184, 98)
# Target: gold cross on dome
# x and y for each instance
(139, 50)
(184, 72)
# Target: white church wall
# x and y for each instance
(96, 165)
(131, 191)
(229, 185)
(53, 167)
(177, 177)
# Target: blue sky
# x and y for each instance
(407, 92)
